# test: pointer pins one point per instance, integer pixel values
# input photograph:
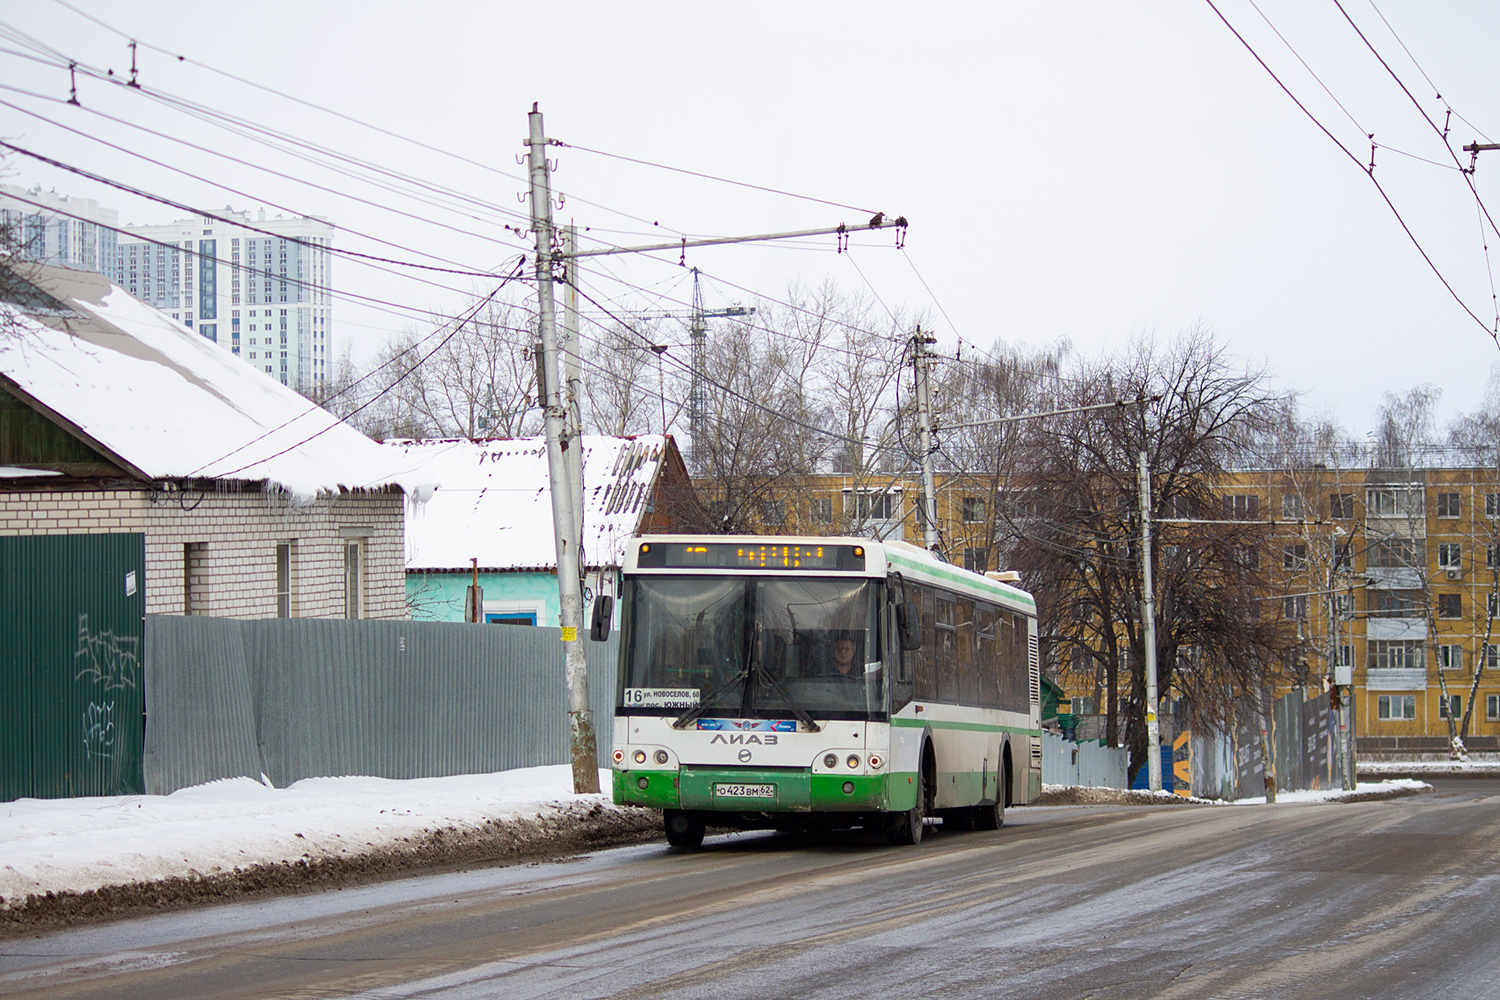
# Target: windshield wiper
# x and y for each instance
(791, 705)
(696, 713)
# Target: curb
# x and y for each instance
(574, 829)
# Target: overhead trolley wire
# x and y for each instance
(1493, 334)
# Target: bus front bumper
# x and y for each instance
(734, 789)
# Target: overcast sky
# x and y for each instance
(1071, 171)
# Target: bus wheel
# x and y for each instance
(992, 817)
(684, 829)
(906, 827)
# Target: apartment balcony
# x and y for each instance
(1396, 679)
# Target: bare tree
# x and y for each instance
(1215, 640)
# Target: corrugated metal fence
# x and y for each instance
(1228, 763)
(299, 698)
(1085, 764)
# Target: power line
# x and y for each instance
(325, 110)
(1441, 133)
(395, 308)
(356, 257)
(225, 187)
(458, 324)
(1493, 334)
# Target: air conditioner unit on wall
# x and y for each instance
(1455, 573)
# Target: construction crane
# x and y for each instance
(698, 331)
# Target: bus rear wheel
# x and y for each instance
(906, 828)
(684, 830)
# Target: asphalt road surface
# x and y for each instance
(1380, 899)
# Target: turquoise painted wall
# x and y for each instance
(439, 597)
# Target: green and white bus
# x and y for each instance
(808, 682)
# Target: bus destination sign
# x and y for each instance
(738, 555)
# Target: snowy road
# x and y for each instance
(1375, 899)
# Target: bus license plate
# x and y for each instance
(737, 791)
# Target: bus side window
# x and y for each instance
(966, 661)
(987, 656)
(927, 680)
(946, 633)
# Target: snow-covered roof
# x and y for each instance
(164, 402)
(494, 503)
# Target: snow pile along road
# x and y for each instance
(235, 835)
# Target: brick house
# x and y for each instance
(254, 503)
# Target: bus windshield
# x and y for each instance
(752, 647)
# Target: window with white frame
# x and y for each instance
(773, 512)
(1346, 655)
(1291, 507)
(1295, 608)
(1447, 505)
(973, 510)
(1294, 556)
(1451, 707)
(1341, 505)
(1389, 501)
(1396, 654)
(1397, 707)
(1492, 707)
(822, 510)
(1450, 656)
(1492, 504)
(1450, 555)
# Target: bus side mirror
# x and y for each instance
(604, 606)
(909, 626)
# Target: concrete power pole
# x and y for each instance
(919, 342)
(582, 742)
(1148, 623)
(571, 359)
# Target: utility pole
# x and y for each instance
(1148, 616)
(571, 358)
(581, 739)
(565, 504)
(919, 342)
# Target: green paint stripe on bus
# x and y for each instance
(983, 583)
(972, 727)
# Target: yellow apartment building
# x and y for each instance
(1393, 574)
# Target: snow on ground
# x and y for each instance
(85, 843)
(1363, 789)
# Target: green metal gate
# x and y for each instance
(72, 698)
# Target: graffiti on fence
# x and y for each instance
(99, 730)
(107, 659)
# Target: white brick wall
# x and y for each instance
(240, 532)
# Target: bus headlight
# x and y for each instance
(853, 760)
(875, 761)
(619, 756)
(848, 788)
(831, 760)
(661, 756)
(640, 756)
